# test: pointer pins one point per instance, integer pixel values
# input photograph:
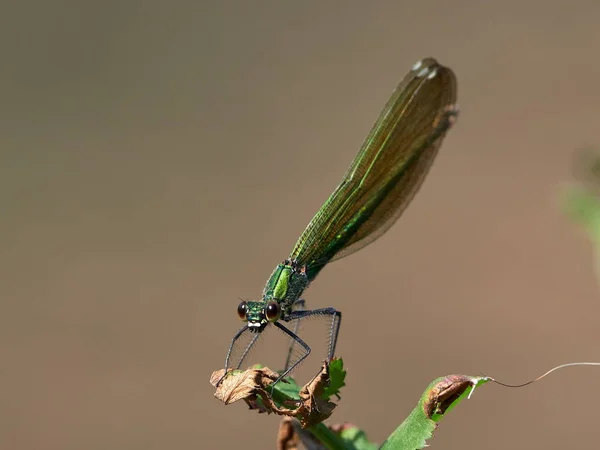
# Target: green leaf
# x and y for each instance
(337, 377)
(287, 388)
(440, 397)
(583, 206)
(354, 437)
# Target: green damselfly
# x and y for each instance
(380, 183)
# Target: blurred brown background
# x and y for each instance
(158, 159)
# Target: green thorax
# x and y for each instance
(286, 284)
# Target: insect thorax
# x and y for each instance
(286, 284)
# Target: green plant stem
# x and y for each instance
(327, 437)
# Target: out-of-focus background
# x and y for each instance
(159, 158)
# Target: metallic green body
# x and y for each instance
(285, 286)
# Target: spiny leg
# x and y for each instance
(237, 335)
(336, 321)
(247, 350)
(296, 338)
(298, 305)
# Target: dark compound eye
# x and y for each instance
(272, 311)
(242, 309)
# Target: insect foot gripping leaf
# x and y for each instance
(309, 404)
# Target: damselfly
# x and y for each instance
(380, 183)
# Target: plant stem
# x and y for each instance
(327, 437)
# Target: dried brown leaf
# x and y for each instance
(314, 408)
(309, 410)
(292, 434)
(445, 392)
(241, 385)
(287, 439)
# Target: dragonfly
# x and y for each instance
(385, 175)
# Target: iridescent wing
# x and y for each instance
(388, 170)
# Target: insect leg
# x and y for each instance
(336, 321)
(296, 338)
(299, 305)
(240, 332)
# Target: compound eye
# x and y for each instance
(272, 311)
(242, 309)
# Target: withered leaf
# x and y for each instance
(291, 435)
(287, 438)
(241, 385)
(445, 392)
(314, 408)
(311, 409)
